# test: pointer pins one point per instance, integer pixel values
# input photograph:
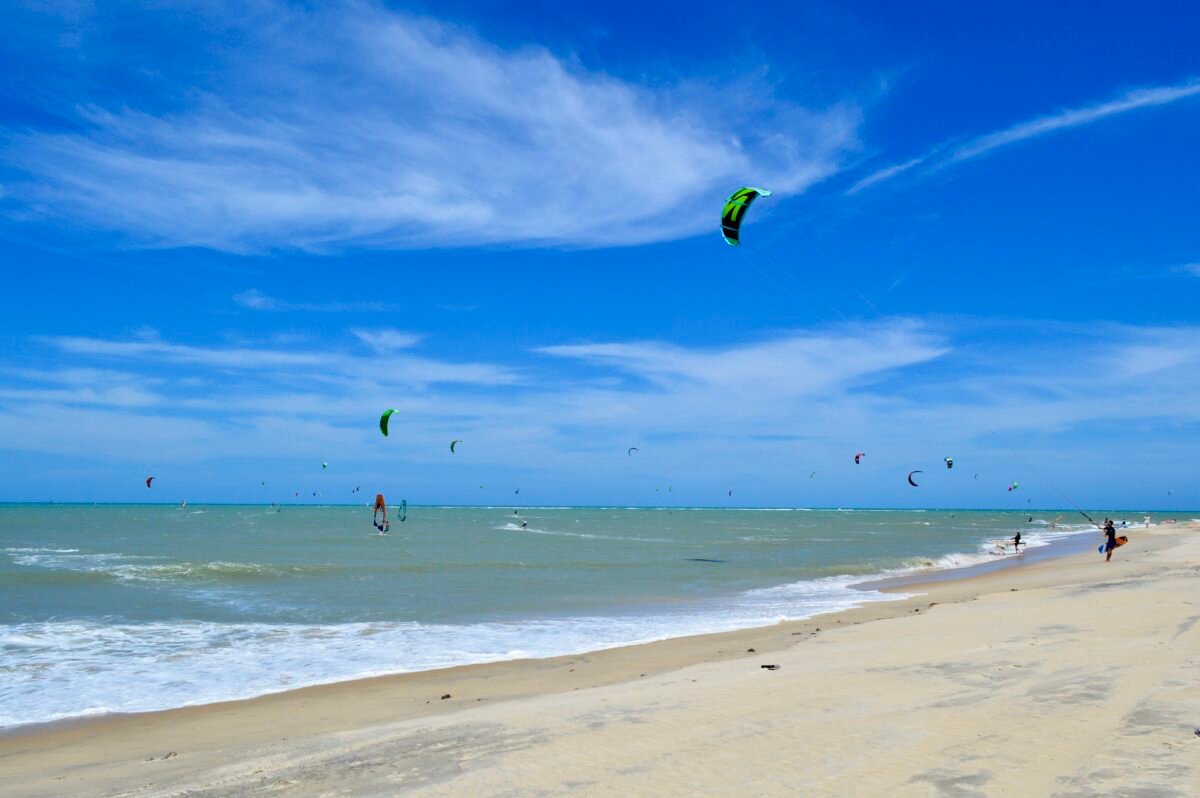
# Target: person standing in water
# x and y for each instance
(380, 505)
(1017, 542)
(1110, 539)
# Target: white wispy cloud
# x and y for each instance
(222, 357)
(386, 340)
(1160, 350)
(312, 364)
(1077, 117)
(1039, 126)
(887, 173)
(253, 299)
(1190, 268)
(265, 402)
(703, 414)
(1090, 406)
(355, 125)
(799, 364)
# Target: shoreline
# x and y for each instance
(103, 753)
(887, 582)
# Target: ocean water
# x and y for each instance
(123, 608)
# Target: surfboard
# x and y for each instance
(1121, 541)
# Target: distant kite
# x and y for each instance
(858, 457)
(910, 478)
(148, 481)
(949, 462)
(324, 466)
(632, 449)
(1013, 486)
(454, 443)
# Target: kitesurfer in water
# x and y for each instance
(380, 506)
(1110, 539)
(1017, 542)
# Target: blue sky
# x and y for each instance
(232, 234)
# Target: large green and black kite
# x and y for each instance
(735, 210)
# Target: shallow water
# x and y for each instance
(139, 607)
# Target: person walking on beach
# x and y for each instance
(1110, 539)
(1017, 542)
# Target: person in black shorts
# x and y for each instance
(1110, 539)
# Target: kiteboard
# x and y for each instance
(1121, 541)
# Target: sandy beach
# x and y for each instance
(1066, 676)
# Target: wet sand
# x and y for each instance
(1059, 676)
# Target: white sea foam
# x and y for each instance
(36, 550)
(989, 550)
(61, 669)
(511, 527)
(146, 568)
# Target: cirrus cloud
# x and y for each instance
(1065, 119)
(354, 125)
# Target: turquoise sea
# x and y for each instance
(119, 608)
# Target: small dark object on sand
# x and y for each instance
(1198, 732)
(769, 667)
(751, 651)
(170, 755)
(447, 695)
